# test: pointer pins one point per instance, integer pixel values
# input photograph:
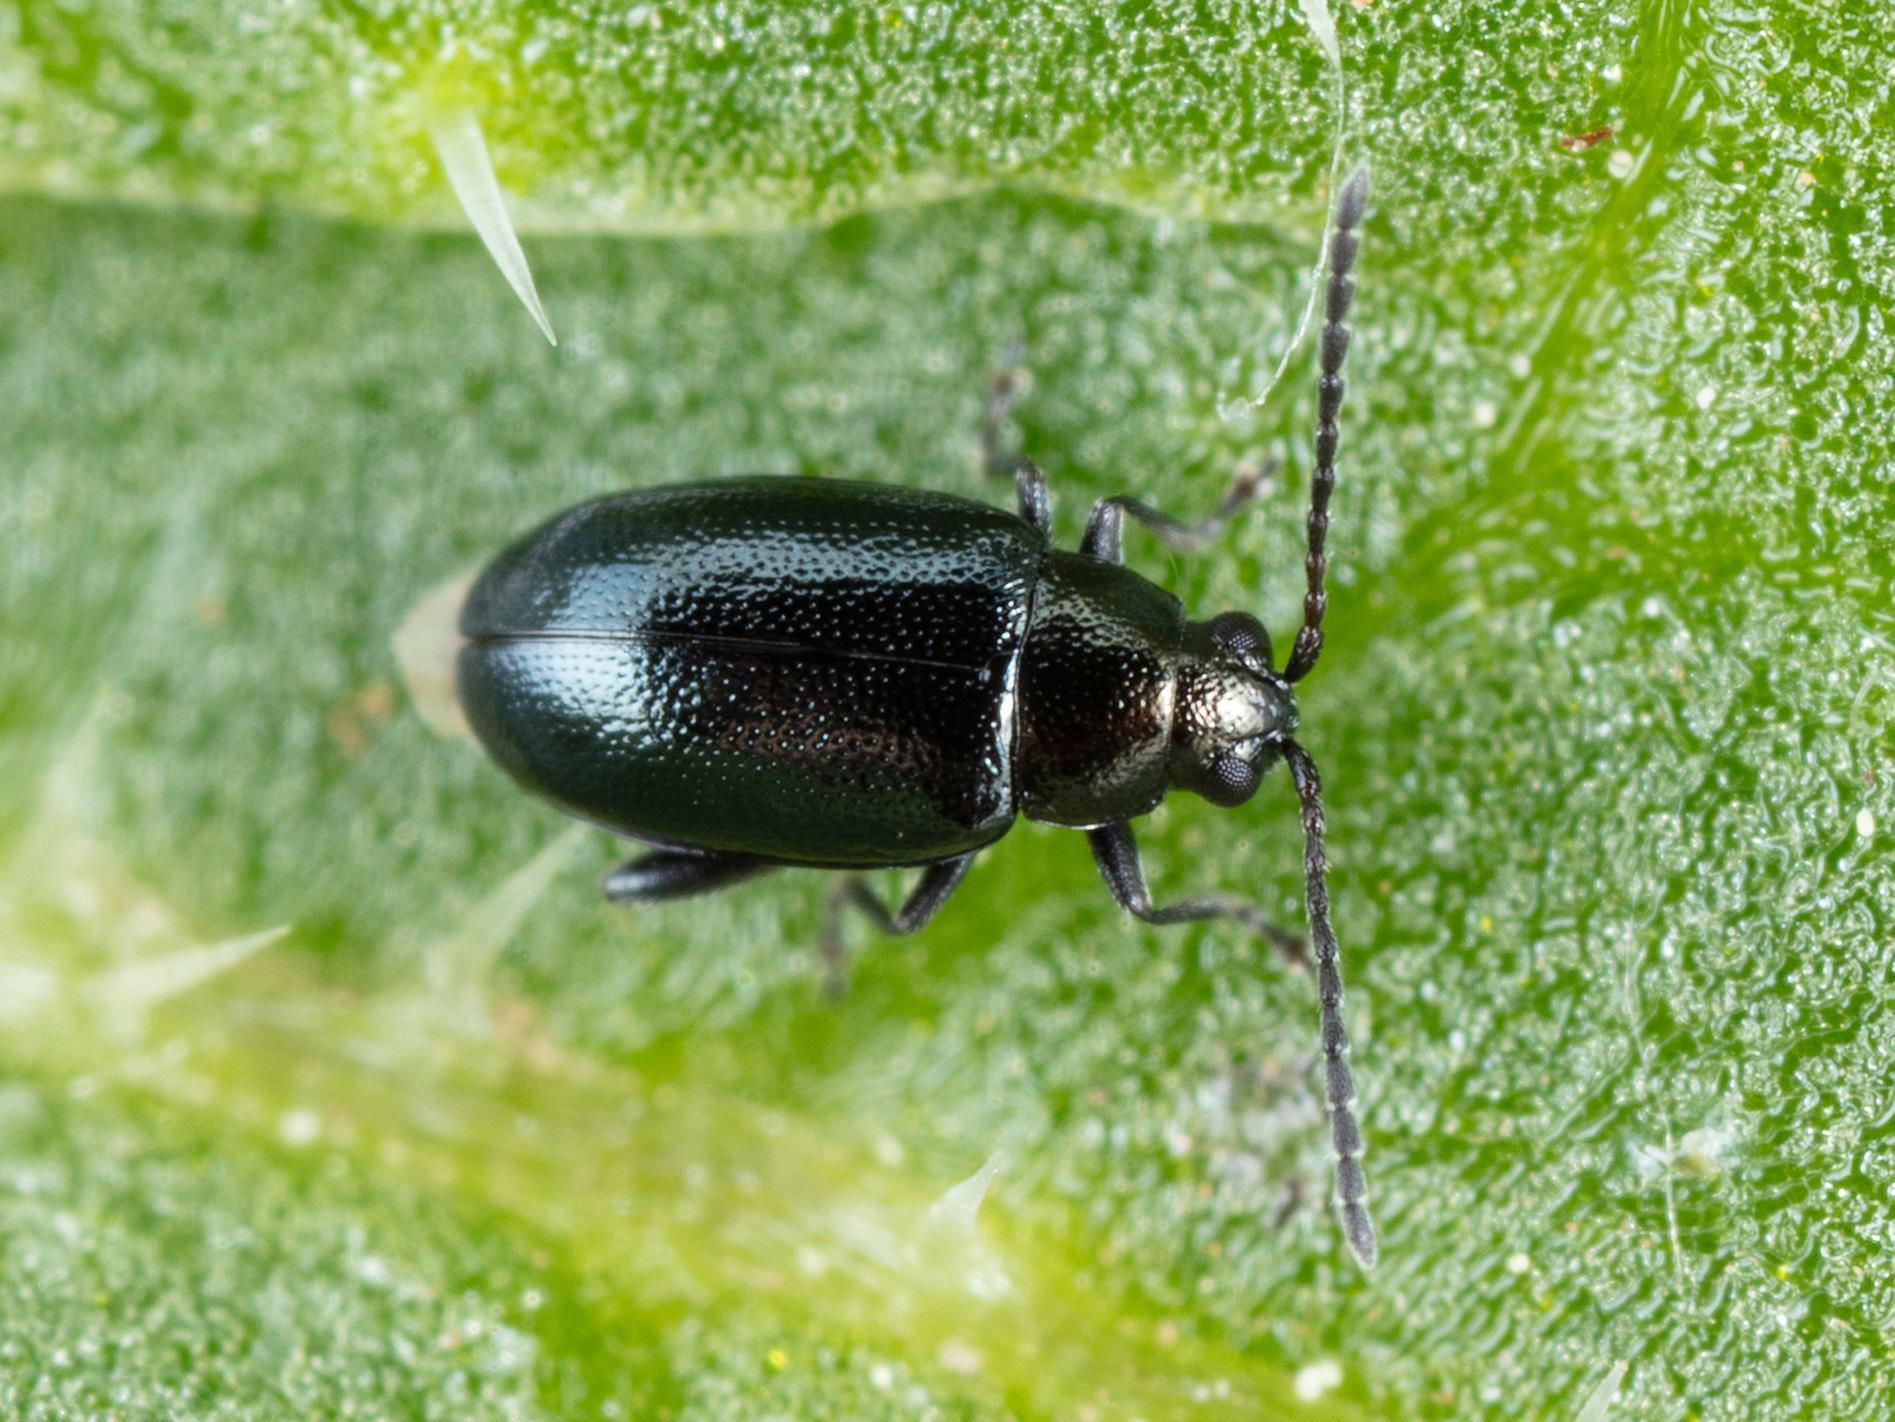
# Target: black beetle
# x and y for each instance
(750, 673)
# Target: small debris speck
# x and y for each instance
(1518, 1263)
(299, 1128)
(1580, 142)
(957, 1357)
(425, 646)
(1315, 1379)
(1621, 163)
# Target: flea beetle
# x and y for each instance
(745, 674)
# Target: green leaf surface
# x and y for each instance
(1605, 719)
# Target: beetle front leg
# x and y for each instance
(924, 901)
(1105, 529)
(1116, 850)
(679, 874)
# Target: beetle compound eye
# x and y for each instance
(1243, 637)
(1231, 781)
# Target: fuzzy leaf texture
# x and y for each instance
(1604, 717)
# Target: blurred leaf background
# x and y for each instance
(1605, 717)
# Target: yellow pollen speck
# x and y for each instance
(779, 1359)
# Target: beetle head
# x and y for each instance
(1233, 711)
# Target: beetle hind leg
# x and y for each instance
(938, 881)
(679, 874)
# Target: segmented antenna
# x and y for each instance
(1352, 1189)
(1342, 250)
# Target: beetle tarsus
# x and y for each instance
(996, 460)
(931, 891)
(1115, 848)
(1105, 528)
(1003, 391)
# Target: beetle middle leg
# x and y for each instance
(924, 901)
(679, 874)
(997, 461)
(1115, 849)
(1003, 390)
(1105, 528)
